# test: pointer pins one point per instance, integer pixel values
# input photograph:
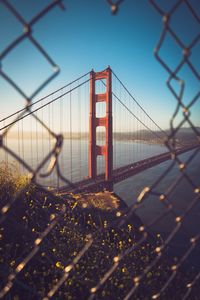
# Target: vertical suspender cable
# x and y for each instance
(19, 141)
(6, 142)
(42, 133)
(52, 128)
(49, 117)
(31, 136)
(23, 142)
(61, 128)
(114, 124)
(36, 136)
(70, 126)
(79, 130)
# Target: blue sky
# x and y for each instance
(87, 36)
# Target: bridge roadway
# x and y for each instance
(122, 173)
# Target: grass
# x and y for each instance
(31, 214)
(104, 201)
(11, 181)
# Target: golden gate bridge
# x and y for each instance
(108, 135)
(84, 137)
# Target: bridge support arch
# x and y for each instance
(106, 121)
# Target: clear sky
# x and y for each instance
(87, 36)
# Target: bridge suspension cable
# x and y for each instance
(136, 136)
(41, 107)
(138, 104)
(132, 113)
(128, 109)
(33, 136)
(43, 98)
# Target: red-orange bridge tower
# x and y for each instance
(106, 121)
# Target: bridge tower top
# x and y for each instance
(107, 149)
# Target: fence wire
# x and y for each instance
(46, 253)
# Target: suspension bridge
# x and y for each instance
(105, 136)
(85, 137)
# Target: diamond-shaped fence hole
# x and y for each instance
(187, 79)
(191, 87)
(151, 209)
(183, 194)
(187, 30)
(29, 140)
(31, 67)
(170, 52)
(8, 22)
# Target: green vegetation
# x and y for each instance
(11, 181)
(10, 178)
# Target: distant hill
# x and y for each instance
(184, 136)
(187, 135)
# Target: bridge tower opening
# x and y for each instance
(106, 121)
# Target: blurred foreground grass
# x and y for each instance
(96, 215)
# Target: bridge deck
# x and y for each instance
(124, 172)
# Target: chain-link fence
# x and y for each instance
(66, 246)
